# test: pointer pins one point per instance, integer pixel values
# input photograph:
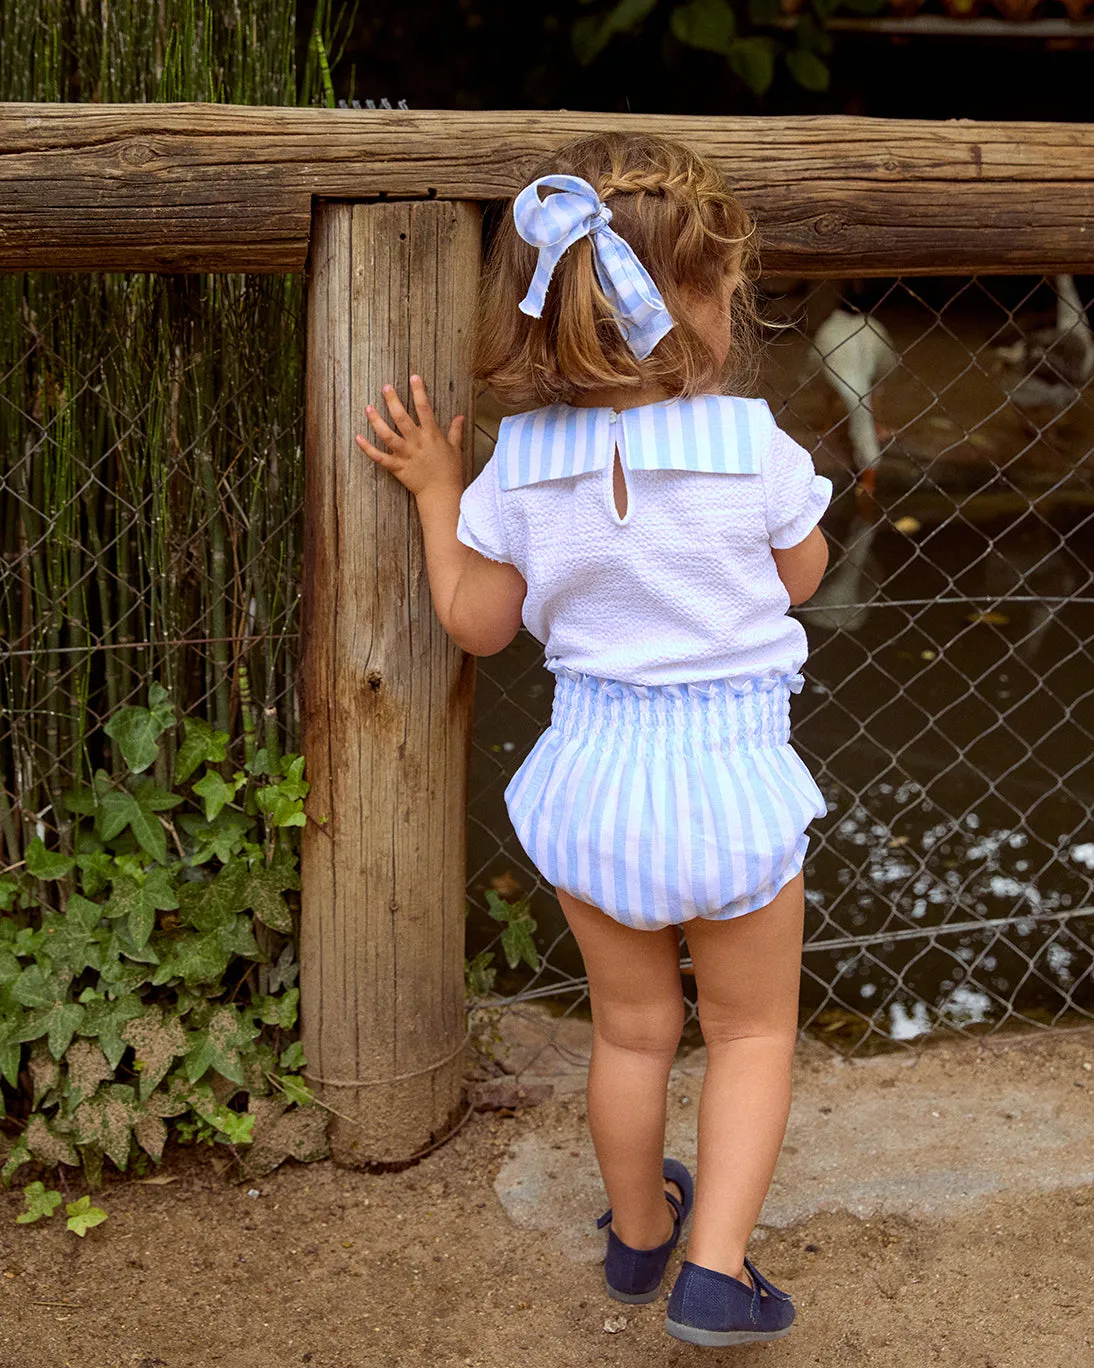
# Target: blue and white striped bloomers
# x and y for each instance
(660, 803)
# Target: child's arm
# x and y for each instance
(478, 601)
(800, 567)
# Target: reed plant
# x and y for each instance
(151, 430)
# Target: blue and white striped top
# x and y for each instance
(682, 586)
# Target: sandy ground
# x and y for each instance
(336, 1268)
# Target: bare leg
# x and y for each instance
(748, 972)
(638, 1015)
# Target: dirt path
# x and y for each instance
(338, 1269)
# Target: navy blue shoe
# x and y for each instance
(712, 1308)
(634, 1275)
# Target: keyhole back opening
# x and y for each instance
(620, 493)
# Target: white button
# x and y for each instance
(612, 416)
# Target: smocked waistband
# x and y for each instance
(717, 714)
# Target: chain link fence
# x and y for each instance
(948, 713)
(151, 476)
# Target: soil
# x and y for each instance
(337, 1268)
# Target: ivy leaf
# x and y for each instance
(219, 1044)
(282, 810)
(82, 1215)
(296, 1090)
(201, 743)
(47, 1143)
(87, 1068)
(138, 729)
(196, 959)
(105, 1020)
(706, 24)
(154, 797)
(753, 60)
(222, 838)
(18, 1155)
(293, 1057)
(35, 987)
(261, 892)
(208, 904)
(215, 792)
(138, 900)
(106, 1120)
(10, 968)
(40, 1201)
(158, 1040)
(277, 1011)
(47, 864)
(808, 70)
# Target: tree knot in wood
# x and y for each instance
(375, 680)
(137, 154)
(828, 225)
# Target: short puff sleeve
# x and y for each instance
(481, 525)
(795, 494)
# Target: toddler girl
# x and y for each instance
(651, 528)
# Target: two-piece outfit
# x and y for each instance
(665, 787)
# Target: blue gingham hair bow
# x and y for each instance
(554, 223)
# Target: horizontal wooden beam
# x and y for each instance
(205, 187)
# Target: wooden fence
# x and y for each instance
(381, 209)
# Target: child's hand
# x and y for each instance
(421, 456)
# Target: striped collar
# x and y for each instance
(711, 433)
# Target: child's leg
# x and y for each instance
(638, 1015)
(747, 971)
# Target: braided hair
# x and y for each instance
(693, 236)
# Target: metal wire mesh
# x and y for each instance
(151, 475)
(150, 495)
(948, 713)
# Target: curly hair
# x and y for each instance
(681, 218)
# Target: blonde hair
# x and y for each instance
(680, 217)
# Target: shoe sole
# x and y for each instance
(721, 1339)
(632, 1298)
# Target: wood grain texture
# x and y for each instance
(386, 697)
(195, 187)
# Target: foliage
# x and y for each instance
(125, 967)
(754, 36)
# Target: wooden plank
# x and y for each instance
(193, 187)
(386, 706)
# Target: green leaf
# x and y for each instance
(592, 34)
(520, 926)
(219, 1044)
(136, 730)
(18, 1155)
(40, 1201)
(201, 743)
(64, 1020)
(106, 1120)
(221, 839)
(35, 987)
(277, 1011)
(148, 830)
(47, 864)
(753, 60)
(811, 36)
(478, 974)
(296, 1090)
(261, 892)
(154, 797)
(158, 1040)
(293, 1057)
(808, 70)
(215, 792)
(706, 24)
(82, 1215)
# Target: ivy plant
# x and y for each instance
(127, 1001)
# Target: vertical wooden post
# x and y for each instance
(385, 696)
